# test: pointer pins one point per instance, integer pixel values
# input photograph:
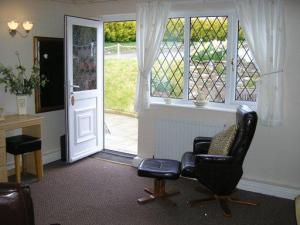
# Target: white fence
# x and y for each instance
(117, 50)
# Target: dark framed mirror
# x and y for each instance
(49, 55)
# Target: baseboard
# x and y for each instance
(51, 156)
(136, 161)
(268, 189)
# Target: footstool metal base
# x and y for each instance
(159, 192)
(223, 201)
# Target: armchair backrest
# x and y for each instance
(246, 120)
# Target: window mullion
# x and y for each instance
(186, 57)
(234, 57)
(230, 78)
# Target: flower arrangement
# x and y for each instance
(201, 97)
(17, 82)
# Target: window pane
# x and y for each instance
(208, 50)
(84, 57)
(247, 74)
(168, 70)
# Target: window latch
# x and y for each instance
(232, 64)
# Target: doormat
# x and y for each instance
(115, 156)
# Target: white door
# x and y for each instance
(84, 87)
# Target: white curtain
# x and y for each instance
(151, 20)
(263, 22)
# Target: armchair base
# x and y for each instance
(223, 201)
(159, 192)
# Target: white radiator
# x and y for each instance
(175, 137)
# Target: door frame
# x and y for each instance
(117, 17)
(66, 86)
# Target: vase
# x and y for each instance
(200, 103)
(22, 104)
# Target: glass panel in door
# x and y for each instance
(84, 58)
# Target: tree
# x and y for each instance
(120, 31)
(202, 29)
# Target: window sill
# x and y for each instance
(208, 107)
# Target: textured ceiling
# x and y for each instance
(99, 1)
(82, 1)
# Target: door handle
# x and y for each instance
(74, 86)
(71, 86)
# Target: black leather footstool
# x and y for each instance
(160, 170)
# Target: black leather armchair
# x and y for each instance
(220, 174)
(16, 206)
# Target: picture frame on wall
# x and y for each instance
(49, 55)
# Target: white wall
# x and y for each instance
(275, 153)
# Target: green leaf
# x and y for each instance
(18, 82)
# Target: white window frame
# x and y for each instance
(231, 65)
(118, 17)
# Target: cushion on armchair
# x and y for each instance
(221, 142)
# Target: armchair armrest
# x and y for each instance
(202, 139)
(217, 159)
(201, 145)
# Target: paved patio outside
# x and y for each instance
(121, 133)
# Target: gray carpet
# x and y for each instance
(96, 192)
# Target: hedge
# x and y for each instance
(202, 30)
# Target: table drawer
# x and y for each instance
(2, 156)
(3, 174)
(2, 138)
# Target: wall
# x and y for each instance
(275, 152)
(48, 19)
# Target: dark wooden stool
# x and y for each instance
(20, 144)
(160, 170)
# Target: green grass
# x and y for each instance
(120, 84)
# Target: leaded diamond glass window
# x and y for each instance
(208, 51)
(194, 61)
(168, 70)
(247, 74)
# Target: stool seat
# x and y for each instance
(159, 168)
(21, 144)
